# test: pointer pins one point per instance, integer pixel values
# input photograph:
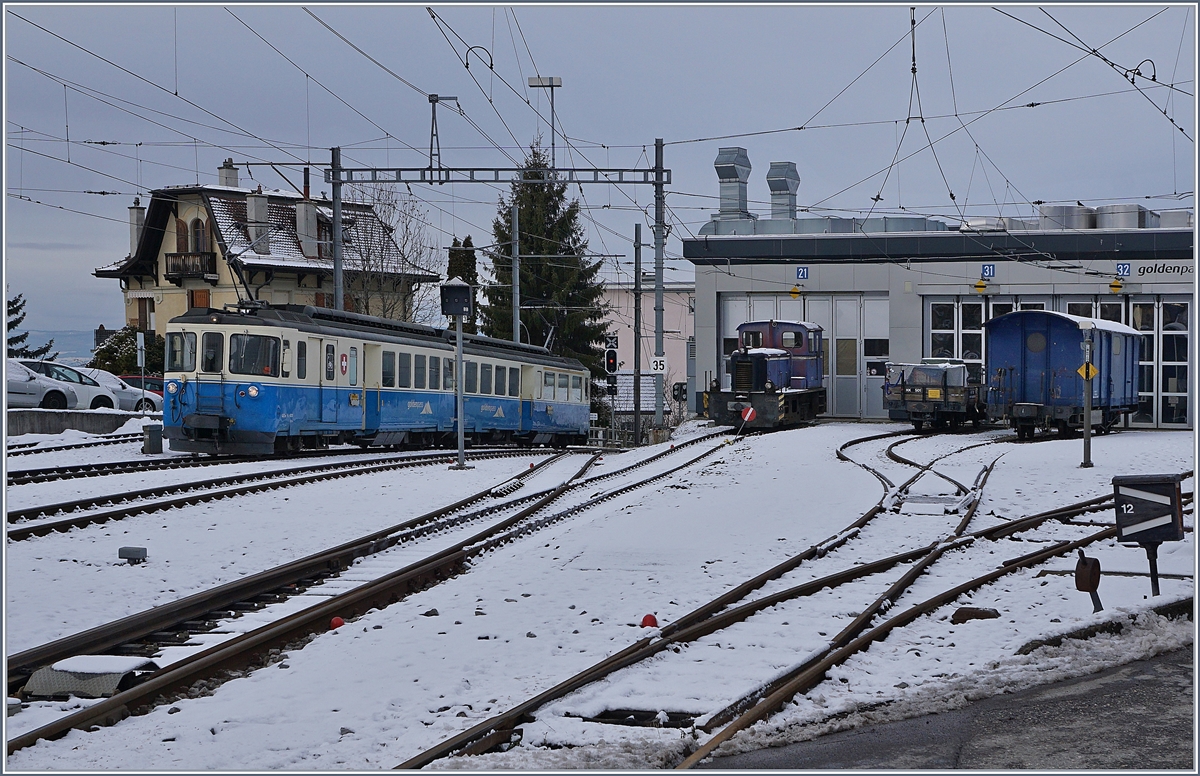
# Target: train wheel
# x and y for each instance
(956, 425)
(918, 425)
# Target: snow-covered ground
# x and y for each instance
(394, 682)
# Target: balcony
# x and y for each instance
(191, 265)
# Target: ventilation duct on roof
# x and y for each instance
(1125, 216)
(784, 182)
(306, 228)
(1054, 217)
(733, 170)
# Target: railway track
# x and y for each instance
(872, 623)
(29, 448)
(393, 586)
(211, 490)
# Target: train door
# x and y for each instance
(1035, 358)
(328, 380)
(531, 381)
(875, 349)
(372, 385)
(210, 383)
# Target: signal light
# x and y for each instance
(610, 361)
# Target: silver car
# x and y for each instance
(130, 399)
(27, 389)
(91, 394)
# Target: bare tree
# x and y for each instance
(390, 263)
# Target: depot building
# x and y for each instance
(901, 289)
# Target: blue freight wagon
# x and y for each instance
(1033, 378)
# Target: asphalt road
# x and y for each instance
(1138, 715)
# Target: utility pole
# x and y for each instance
(637, 334)
(336, 168)
(516, 277)
(660, 238)
(1087, 399)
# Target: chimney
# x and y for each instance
(784, 181)
(137, 219)
(227, 174)
(306, 228)
(258, 222)
(733, 170)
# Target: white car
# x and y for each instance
(27, 389)
(91, 394)
(130, 399)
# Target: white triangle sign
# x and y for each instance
(499, 412)
(428, 410)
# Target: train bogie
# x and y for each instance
(262, 380)
(1034, 371)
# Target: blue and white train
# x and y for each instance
(283, 378)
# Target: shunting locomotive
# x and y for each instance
(778, 370)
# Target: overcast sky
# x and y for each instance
(199, 85)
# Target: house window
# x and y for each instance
(145, 319)
(199, 237)
(198, 298)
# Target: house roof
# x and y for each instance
(368, 240)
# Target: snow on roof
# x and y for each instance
(769, 351)
(1087, 323)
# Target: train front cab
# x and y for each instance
(222, 390)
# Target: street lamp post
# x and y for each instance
(550, 83)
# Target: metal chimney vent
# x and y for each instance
(784, 182)
(733, 170)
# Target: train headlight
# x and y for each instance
(715, 385)
(172, 387)
(253, 391)
(770, 386)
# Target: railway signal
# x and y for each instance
(610, 361)
(1149, 512)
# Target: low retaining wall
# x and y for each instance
(57, 421)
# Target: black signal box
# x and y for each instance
(610, 361)
(1149, 508)
(456, 298)
(611, 387)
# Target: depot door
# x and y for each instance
(1165, 323)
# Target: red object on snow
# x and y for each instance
(530, 466)
(336, 623)
(649, 621)
(672, 447)
(748, 414)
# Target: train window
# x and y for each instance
(419, 371)
(752, 339)
(252, 354)
(301, 360)
(448, 374)
(472, 383)
(287, 358)
(354, 366)
(1035, 342)
(389, 369)
(435, 371)
(514, 381)
(813, 338)
(548, 386)
(576, 388)
(563, 391)
(500, 375)
(181, 351)
(1116, 345)
(404, 376)
(789, 339)
(330, 360)
(485, 378)
(210, 354)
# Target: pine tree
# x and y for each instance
(462, 266)
(16, 342)
(118, 353)
(564, 293)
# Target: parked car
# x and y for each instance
(130, 399)
(153, 383)
(27, 388)
(91, 394)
